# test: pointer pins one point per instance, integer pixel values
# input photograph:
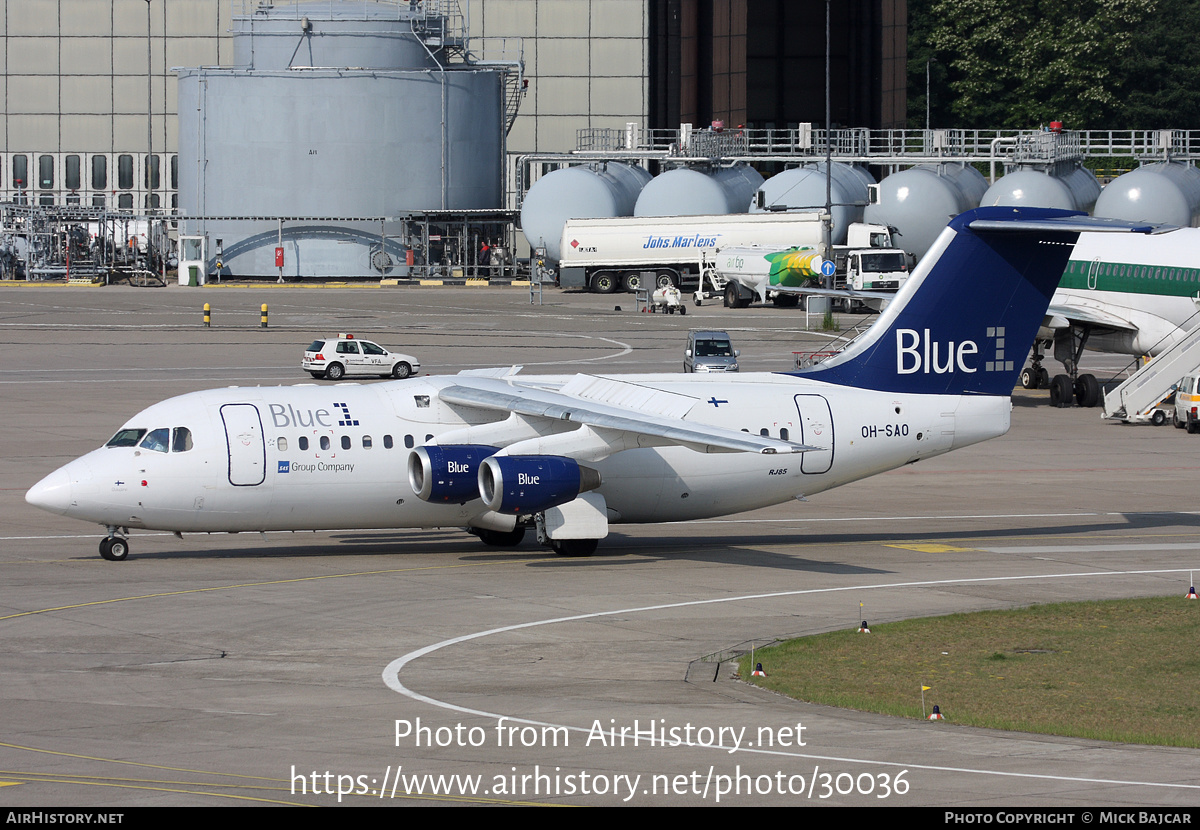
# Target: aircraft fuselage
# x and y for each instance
(323, 457)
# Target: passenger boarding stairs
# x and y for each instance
(1137, 398)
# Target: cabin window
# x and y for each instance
(281, 444)
(156, 440)
(126, 438)
(324, 442)
(428, 438)
(764, 432)
(387, 442)
(345, 442)
(783, 433)
(422, 401)
(303, 442)
(409, 442)
(366, 442)
(181, 440)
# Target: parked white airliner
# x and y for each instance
(1127, 295)
(497, 452)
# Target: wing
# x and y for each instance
(590, 418)
(1060, 315)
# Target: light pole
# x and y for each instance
(149, 119)
(827, 231)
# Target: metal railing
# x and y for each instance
(808, 141)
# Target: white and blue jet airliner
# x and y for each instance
(498, 452)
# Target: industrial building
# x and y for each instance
(369, 138)
(91, 101)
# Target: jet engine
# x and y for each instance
(447, 474)
(522, 484)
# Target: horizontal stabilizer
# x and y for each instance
(1072, 224)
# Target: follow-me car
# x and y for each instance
(496, 452)
(346, 355)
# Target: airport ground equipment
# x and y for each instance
(667, 299)
(1140, 396)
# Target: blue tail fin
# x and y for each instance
(966, 317)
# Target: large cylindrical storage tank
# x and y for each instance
(803, 188)
(348, 34)
(593, 191)
(687, 191)
(322, 147)
(920, 201)
(1075, 189)
(1166, 192)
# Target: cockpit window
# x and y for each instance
(126, 438)
(181, 439)
(156, 440)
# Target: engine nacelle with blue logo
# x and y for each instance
(520, 484)
(448, 474)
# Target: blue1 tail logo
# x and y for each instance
(919, 352)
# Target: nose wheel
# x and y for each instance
(114, 548)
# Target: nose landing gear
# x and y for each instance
(114, 548)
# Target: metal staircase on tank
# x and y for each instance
(441, 25)
(1138, 396)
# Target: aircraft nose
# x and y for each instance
(52, 493)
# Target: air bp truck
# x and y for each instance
(741, 274)
(629, 253)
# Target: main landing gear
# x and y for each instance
(1084, 390)
(114, 548)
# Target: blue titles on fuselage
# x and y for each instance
(289, 416)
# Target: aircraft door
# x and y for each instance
(1093, 270)
(247, 450)
(816, 427)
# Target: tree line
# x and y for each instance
(1092, 64)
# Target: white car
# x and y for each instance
(337, 357)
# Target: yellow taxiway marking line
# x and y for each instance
(931, 548)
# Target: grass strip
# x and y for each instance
(1123, 670)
